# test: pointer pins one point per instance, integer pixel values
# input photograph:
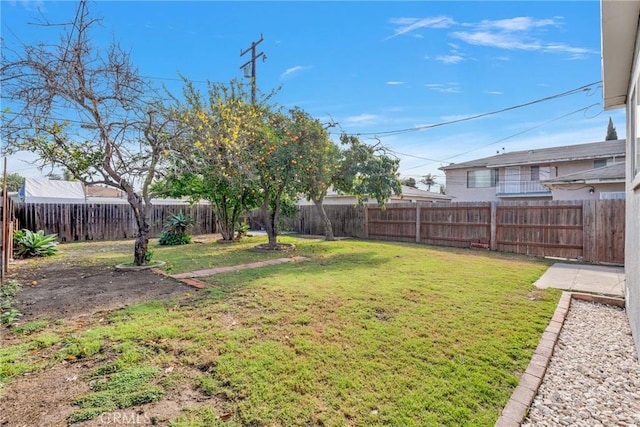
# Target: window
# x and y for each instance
(535, 173)
(612, 195)
(484, 178)
(599, 163)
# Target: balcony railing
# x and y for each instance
(521, 187)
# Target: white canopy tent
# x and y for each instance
(41, 190)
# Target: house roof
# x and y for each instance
(100, 191)
(611, 173)
(406, 193)
(412, 192)
(619, 25)
(592, 150)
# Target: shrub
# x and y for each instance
(175, 230)
(8, 292)
(30, 244)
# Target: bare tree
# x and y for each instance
(89, 111)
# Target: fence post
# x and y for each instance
(493, 242)
(417, 223)
(366, 221)
(589, 228)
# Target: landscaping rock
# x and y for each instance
(593, 378)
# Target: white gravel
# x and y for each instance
(593, 378)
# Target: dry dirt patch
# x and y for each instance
(74, 291)
(63, 291)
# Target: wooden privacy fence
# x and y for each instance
(78, 222)
(589, 230)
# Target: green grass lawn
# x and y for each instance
(363, 333)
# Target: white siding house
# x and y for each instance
(524, 175)
(621, 89)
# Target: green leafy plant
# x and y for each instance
(8, 292)
(30, 244)
(175, 230)
(242, 229)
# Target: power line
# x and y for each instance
(526, 130)
(251, 71)
(583, 88)
(446, 160)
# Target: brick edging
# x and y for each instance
(522, 397)
(186, 281)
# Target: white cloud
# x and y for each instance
(30, 5)
(520, 23)
(395, 83)
(289, 72)
(408, 25)
(362, 118)
(444, 87)
(499, 40)
(450, 59)
(493, 92)
(518, 33)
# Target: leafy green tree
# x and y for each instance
(211, 159)
(14, 181)
(409, 182)
(279, 157)
(87, 110)
(429, 180)
(319, 166)
(612, 135)
(367, 171)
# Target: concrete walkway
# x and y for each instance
(594, 279)
(190, 278)
(212, 271)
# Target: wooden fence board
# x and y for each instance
(80, 222)
(592, 231)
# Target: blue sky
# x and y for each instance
(375, 67)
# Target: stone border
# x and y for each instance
(522, 397)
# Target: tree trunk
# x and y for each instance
(141, 245)
(223, 219)
(140, 211)
(326, 222)
(270, 217)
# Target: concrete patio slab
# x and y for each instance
(594, 279)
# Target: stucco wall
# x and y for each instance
(632, 233)
(456, 187)
(456, 183)
(581, 191)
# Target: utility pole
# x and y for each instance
(251, 72)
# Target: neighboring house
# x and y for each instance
(602, 183)
(94, 190)
(621, 89)
(42, 190)
(521, 175)
(409, 195)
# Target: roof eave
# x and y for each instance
(619, 24)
